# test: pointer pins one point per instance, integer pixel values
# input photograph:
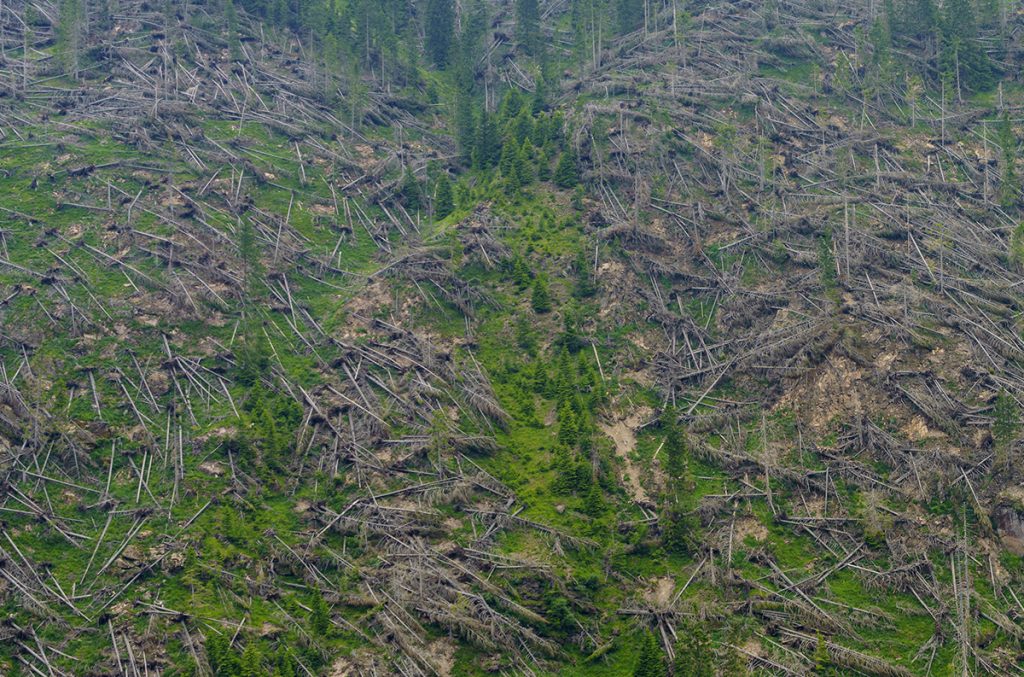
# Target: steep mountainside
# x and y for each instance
(357, 338)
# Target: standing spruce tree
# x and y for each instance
(593, 21)
(439, 29)
(594, 505)
(1007, 419)
(466, 52)
(69, 35)
(521, 127)
(649, 663)
(411, 192)
(221, 658)
(675, 446)
(822, 658)
(962, 55)
(528, 25)
(509, 165)
(565, 172)
(731, 663)
(286, 665)
(540, 297)
(103, 16)
(232, 21)
(543, 166)
(320, 614)
(679, 529)
(487, 149)
(252, 663)
(916, 18)
(694, 657)
(253, 354)
(524, 166)
(1005, 427)
(586, 286)
(630, 14)
(568, 431)
(444, 200)
(465, 131)
(474, 28)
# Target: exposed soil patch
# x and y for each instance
(623, 434)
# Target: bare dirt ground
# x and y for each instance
(623, 434)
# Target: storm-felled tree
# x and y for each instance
(1009, 190)
(438, 31)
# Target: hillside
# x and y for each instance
(355, 338)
